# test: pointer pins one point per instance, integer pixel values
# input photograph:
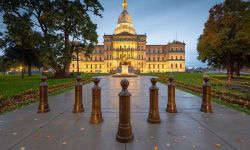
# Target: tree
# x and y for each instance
(60, 23)
(6, 64)
(19, 37)
(29, 57)
(224, 42)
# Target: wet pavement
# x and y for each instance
(60, 129)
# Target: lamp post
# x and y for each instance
(22, 71)
(77, 60)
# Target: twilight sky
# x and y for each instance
(160, 20)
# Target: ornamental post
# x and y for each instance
(206, 105)
(96, 114)
(154, 115)
(78, 106)
(43, 94)
(171, 106)
(124, 133)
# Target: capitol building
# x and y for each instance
(126, 46)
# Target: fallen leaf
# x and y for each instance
(48, 136)
(156, 147)
(14, 133)
(241, 141)
(64, 143)
(136, 140)
(194, 146)
(82, 129)
(22, 148)
(35, 119)
(175, 141)
(183, 137)
(152, 137)
(167, 144)
(218, 145)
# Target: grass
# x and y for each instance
(11, 85)
(238, 86)
(221, 102)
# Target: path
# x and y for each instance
(189, 129)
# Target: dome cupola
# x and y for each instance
(125, 23)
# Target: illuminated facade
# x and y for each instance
(125, 45)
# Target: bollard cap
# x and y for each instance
(206, 79)
(153, 81)
(171, 79)
(43, 78)
(96, 80)
(124, 84)
(78, 78)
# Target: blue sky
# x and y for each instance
(160, 20)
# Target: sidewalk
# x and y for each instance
(189, 129)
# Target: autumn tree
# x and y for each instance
(225, 40)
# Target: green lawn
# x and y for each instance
(239, 86)
(11, 85)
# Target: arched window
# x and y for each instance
(181, 57)
(181, 66)
(176, 57)
(172, 57)
(73, 65)
(176, 66)
(171, 66)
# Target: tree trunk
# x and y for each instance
(238, 69)
(59, 74)
(29, 70)
(229, 76)
(66, 70)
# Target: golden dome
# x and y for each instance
(125, 23)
